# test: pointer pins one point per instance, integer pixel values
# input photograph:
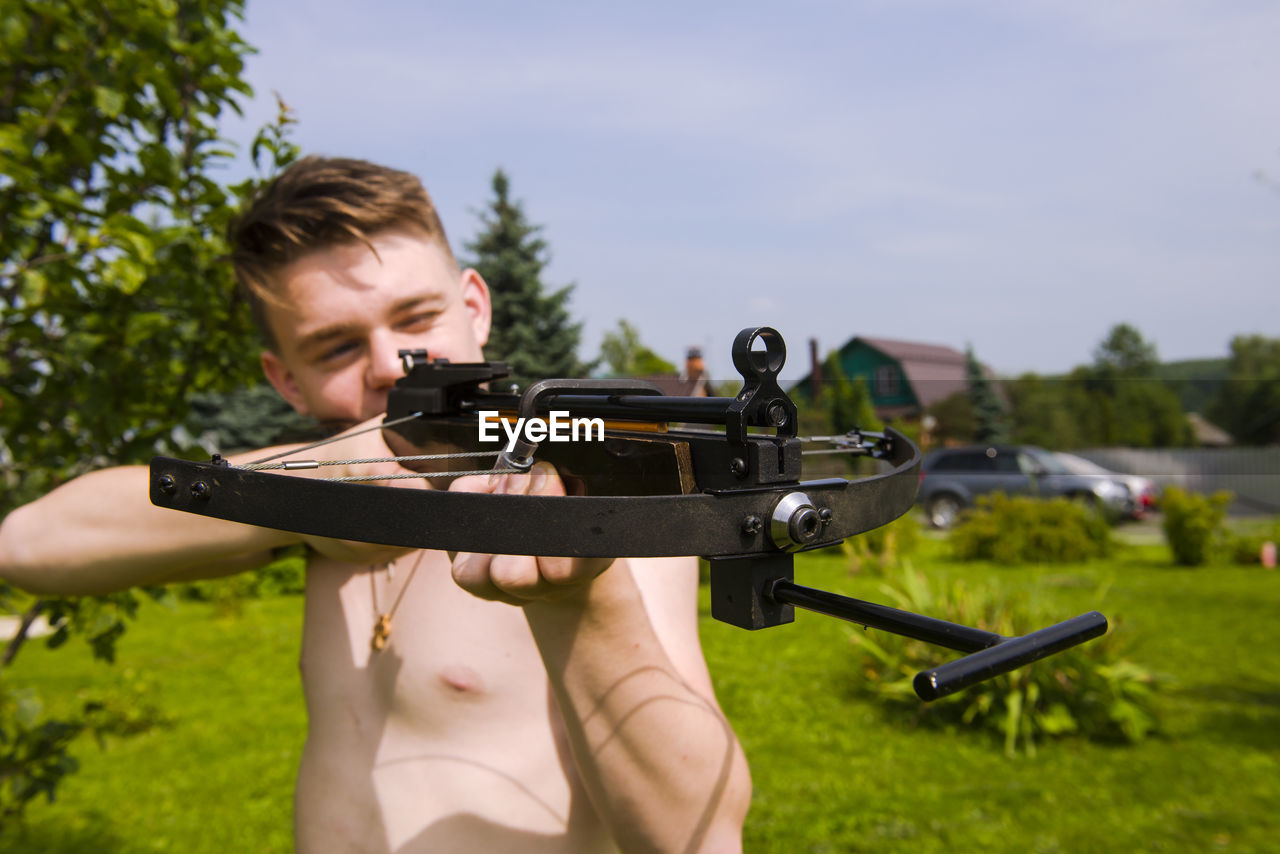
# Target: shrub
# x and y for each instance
(882, 547)
(285, 575)
(1244, 548)
(35, 752)
(1028, 530)
(1088, 691)
(1193, 524)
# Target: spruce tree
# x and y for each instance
(532, 330)
(847, 401)
(988, 408)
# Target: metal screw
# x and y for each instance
(825, 515)
(795, 522)
(738, 466)
(776, 414)
(803, 525)
(752, 525)
(200, 489)
(167, 484)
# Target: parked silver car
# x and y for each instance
(1145, 492)
(951, 478)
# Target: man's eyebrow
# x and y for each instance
(430, 302)
(325, 334)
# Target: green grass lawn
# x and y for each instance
(837, 773)
(832, 771)
(218, 776)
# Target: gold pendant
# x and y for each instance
(381, 632)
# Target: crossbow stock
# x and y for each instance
(729, 489)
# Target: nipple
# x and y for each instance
(461, 679)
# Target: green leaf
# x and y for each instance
(1012, 721)
(108, 101)
(13, 141)
(27, 709)
(32, 287)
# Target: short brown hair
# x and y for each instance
(316, 203)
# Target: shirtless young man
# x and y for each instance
(519, 704)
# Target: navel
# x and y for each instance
(461, 679)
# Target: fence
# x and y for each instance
(1251, 474)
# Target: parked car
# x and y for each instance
(1146, 495)
(952, 478)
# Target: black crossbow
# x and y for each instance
(728, 488)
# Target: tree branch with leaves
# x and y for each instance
(116, 304)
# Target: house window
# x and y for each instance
(886, 381)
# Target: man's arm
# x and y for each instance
(661, 761)
(621, 649)
(100, 533)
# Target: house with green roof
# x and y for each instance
(903, 377)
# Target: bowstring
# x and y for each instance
(338, 438)
(856, 444)
(269, 463)
(843, 444)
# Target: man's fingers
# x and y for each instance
(517, 579)
(515, 575)
(471, 573)
(473, 483)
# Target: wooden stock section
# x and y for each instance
(626, 462)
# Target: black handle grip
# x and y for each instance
(1007, 655)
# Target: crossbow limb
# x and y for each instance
(733, 494)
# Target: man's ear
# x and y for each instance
(475, 296)
(279, 375)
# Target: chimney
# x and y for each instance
(815, 371)
(693, 366)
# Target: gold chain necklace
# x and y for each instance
(382, 626)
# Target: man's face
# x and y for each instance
(347, 313)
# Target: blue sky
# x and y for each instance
(1015, 174)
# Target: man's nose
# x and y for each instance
(385, 366)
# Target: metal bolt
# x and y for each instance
(752, 525)
(738, 466)
(795, 522)
(803, 525)
(167, 484)
(200, 489)
(776, 414)
(825, 515)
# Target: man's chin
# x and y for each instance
(336, 423)
(333, 426)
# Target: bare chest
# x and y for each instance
(408, 654)
(451, 717)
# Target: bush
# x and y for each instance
(1193, 524)
(35, 752)
(285, 575)
(1089, 690)
(882, 547)
(1028, 530)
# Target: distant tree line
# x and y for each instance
(1248, 402)
(1123, 397)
